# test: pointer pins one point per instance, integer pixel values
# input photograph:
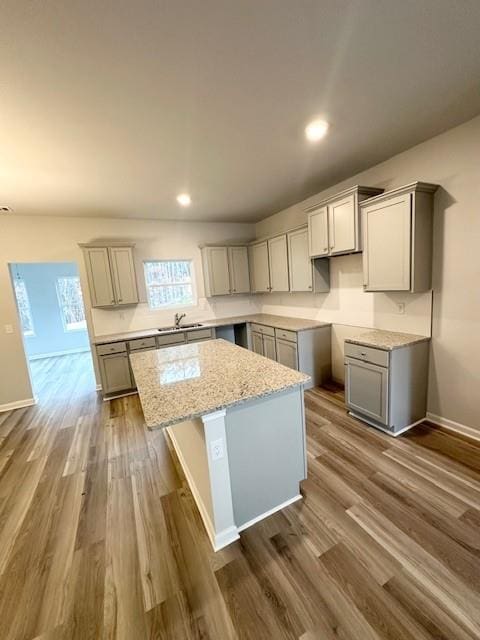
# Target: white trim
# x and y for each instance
(384, 429)
(98, 387)
(218, 539)
(54, 354)
(270, 512)
(463, 429)
(18, 404)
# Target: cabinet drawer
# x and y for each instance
(170, 339)
(264, 330)
(112, 347)
(142, 343)
(367, 354)
(201, 334)
(291, 336)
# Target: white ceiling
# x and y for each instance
(111, 108)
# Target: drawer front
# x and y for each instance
(367, 354)
(142, 343)
(112, 347)
(170, 338)
(291, 336)
(201, 334)
(261, 328)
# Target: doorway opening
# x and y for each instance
(52, 319)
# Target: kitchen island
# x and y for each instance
(236, 422)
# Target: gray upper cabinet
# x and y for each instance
(334, 223)
(318, 232)
(123, 271)
(215, 269)
(239, 271)
(225, 270)
(397, 239)
(111, 275)
(278, 263)
(299, 262)
(259, 265)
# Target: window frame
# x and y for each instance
(66, 329)
(26, 334)
(192, 282)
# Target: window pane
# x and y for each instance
(71, 303)
(169, 283)
(24, 307)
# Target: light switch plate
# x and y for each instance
(8, 328)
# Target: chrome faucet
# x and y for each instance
(178, 319)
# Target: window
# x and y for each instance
(70, 301)
(23, 303)
(169, 283)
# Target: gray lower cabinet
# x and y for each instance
(387, 389)
(114, 363)
(115, 373)
(309, 351)
(287, 353)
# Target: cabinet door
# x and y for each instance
(366, 389)
(239, 273)
(123, 271)
(217, 264)
(257, 343)
(260, 269)
(278, 263)
(299, 263)
(287, 353)
(269, 350)
(115, 372)
(387, 245)
(99, 277)
(318, 232)
(342, 225)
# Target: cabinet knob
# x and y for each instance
(120, 300)
(113, 301)
(309, 286)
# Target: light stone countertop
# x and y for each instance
(386, 340)
(187, 381)
(279, 322)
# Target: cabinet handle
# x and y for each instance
(113, 301)
(120, 300)
(362, 353)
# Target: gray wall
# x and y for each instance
(451, 160)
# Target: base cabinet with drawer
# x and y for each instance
(113, 357)
(387, 389)
(308, 350)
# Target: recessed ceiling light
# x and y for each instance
(316, 130)
(4, 209)
(184, 199)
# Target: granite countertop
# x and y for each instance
(386, 340)
(187, 381)
(280, 322)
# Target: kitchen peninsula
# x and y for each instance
(236, 421)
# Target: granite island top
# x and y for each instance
(280, 322)
(386, 340)
(187, 381)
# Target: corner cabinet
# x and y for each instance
(111, 275)
(334, 223)
(397, 239)
(225, 270)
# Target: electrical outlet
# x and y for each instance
(8, 328)
(216, 449)
(401, 307)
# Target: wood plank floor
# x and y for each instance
(100, 537)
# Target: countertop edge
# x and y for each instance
(366, 343)
(185, 418)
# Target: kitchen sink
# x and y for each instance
(182, 327)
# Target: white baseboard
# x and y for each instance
(19, 404)
(54, 354)
(219, 539)
(270, 512)
(98, 387)
(470, 432)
